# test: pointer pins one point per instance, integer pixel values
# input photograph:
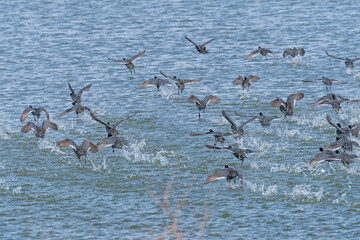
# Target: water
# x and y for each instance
(46, 193)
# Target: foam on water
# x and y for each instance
(307, 193)
(262, 188)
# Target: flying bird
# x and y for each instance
(113, 141)
(238, 131)
(227, 172)
(261, 51)
(293, 52)
(327, 81)
(39, 130)
(34, 111)
(287, 108)
(219, 136)
(111, 128)
(200, 48)
(245, 82)
(158, 82)
(181, 83)
(129, 62)
(264, 120)
(77, 108)
(201, 104)
(239, 153)
(349, 63)
(76, 97)
(81, 150)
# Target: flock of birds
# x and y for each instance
(330, 153)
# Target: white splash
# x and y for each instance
(260, 187)
(307, 193)
(47, 144)
(166, 93)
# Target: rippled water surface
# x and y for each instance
(157, 182)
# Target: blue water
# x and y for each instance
(157, 181)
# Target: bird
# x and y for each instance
(113, 141)
(260, 50)
(201, 104)
(39, 130)
(326, 81)
(293, 52)
(354, 128)
(332, 99)
(111, 129)
(200, 48)
(227, 172)
(237, 152)
(287, 108)
(81, 150)
(36, 112)
(158, 82)
(324, 155)
(264, 120)
(238, 131)
(76, 97)
(340, 131)
(129, 62)
(181, 83)
(219, 136)
(349, 63)
(343, 142)
(77, 108)
(245, 82)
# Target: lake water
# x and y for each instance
(158, 180)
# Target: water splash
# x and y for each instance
(166, 93)
(260, 187)
(306, 193)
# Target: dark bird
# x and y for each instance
(324, 155)
(238, 131)
(158, 82)
(349, 63)
(39, 130)
(200, 48)
(113, 141)
(353, 128)
(129, 62)
(181, 83)
(237, 152)
(340, 131)
(111, 129)
(261, 51)
(35, 111)
(81, 150)
(219, 136)
(264, 120)
(287, 108)
(77, 108)
(293, 52)
(333, 100)
(76, 97)
(201, 104)
(343, 142)
(245, 82)
(227, 172)
(327, 81)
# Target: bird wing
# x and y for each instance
(72, 91)
(253, 78)
(294, 97)
(121, 61)
(287, 51)
(48, 124)
(67, 111)
(252, 54)
(333, 80)
(137, 56)
(193, 99)
(106, 142)
(220, 148)
(227, 117)
(192, 42)
(301, 51)
(67, 143)
(248, 121)
(311, 80)
(122, 121)
(88, 145)
(84, 89)
(268, 51)
(328, 118)
(277, 102)
(245, 115)
(29, 126)
(25, 113)
(211, 98)
(217, 174)
(46, 112)
(238, 80)
(206, 43)
(98, 120)
(174, 79)
(192, 81)
(342, 59)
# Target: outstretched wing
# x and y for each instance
(294, 97)
(301, 51)
(137, 56)
(48, 124)
(192, 81)
(227, 117)
(252, 54)
(328, 118)
(217, 174)
(122, 121)
(193, 99)
(72, 91)
(341, 59)
(206, 43)
(29, 126)
(211, 98)
(67, 143)
(277, 102)
(25, 113)
(67, 111)
(238, 80)
(192, 42)
(116, 60)
(253, 78)
(98, 120)
(84, 89)
(41, 109)
(287, 52)
(248, 121)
